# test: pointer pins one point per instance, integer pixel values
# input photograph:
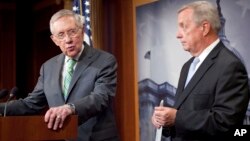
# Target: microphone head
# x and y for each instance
(14, 92)
(3, 93)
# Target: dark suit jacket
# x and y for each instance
(91, 90)
(214, 101)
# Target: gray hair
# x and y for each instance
(63, 13)
(204, 10)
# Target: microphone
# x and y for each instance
(3, 93)
(13, 93)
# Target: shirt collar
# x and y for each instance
(205, 53)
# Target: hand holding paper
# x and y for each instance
(159, 130)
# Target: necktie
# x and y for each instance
(192, 70)
(68, 75)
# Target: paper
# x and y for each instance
(159, 130)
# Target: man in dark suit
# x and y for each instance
(90, 91)
(215, 99)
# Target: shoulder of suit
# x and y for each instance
(54, 59)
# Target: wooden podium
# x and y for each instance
(30, 128)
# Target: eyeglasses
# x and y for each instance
(71, 33)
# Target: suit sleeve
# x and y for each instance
(34, 103)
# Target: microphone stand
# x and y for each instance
(6, 103)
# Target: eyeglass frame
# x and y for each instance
(70, 33)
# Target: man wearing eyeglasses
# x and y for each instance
(85, 86)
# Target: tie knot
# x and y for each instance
(71, 63)
(196, 61)
(192, 69)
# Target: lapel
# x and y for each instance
(85, 59)
(183, 77)
(57, 75)
(181, 93)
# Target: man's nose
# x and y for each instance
(178, 35)
(67, 38)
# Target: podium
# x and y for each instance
(30, 128)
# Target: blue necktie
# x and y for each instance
(192, 70)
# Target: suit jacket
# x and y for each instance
(92, 88)
(214, 101)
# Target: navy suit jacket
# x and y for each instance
(92, 89)
(214, 101)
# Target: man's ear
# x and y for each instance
(206, 27)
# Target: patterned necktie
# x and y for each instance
(192, 70)
(68, 75)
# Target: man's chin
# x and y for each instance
(70, 54)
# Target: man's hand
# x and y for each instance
(163, 116)
(56, 116)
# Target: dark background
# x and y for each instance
(25, 44)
